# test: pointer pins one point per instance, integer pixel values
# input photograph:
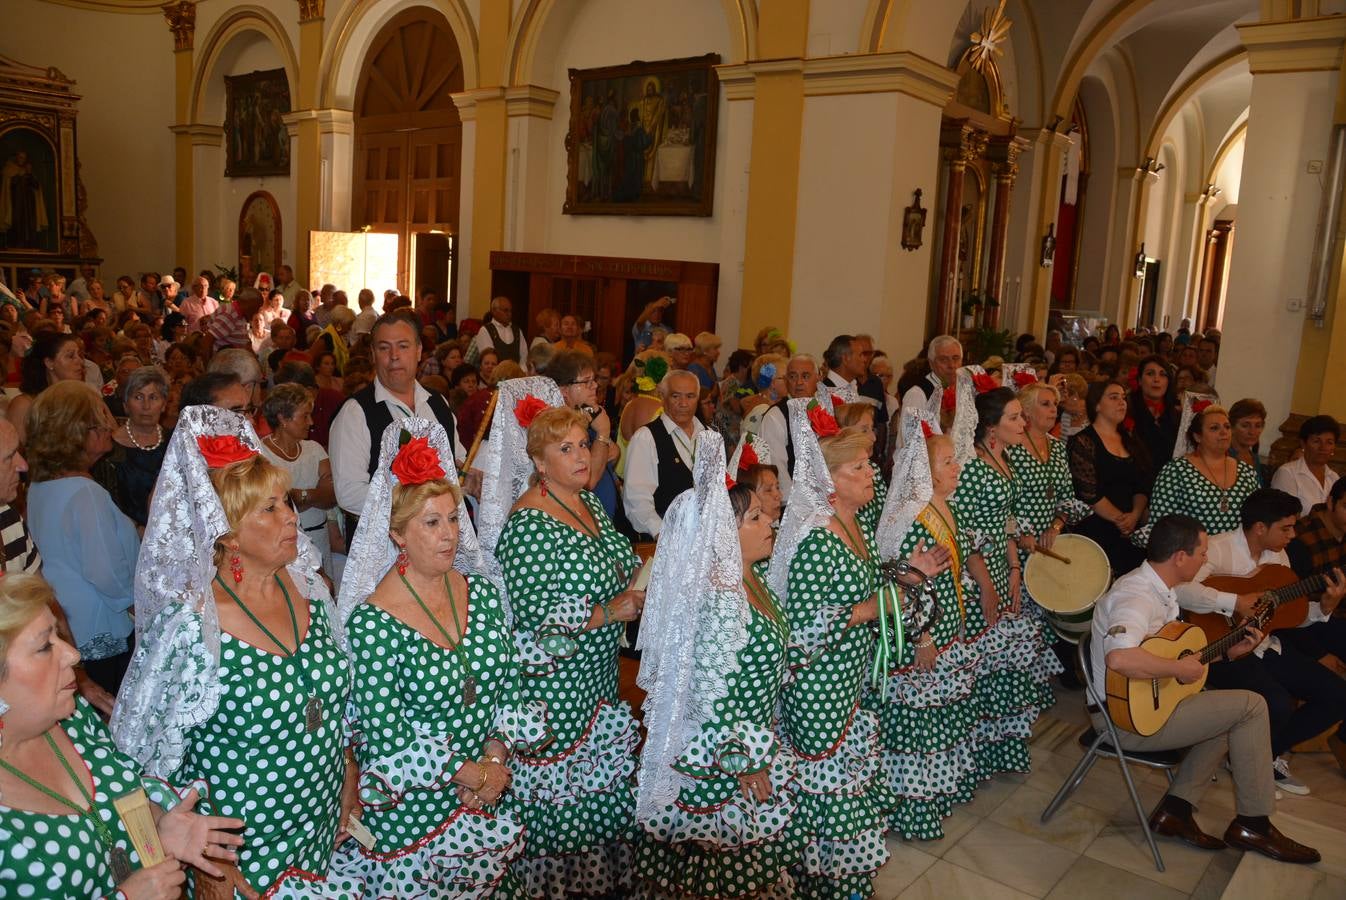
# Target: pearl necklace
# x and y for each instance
(275, 447)
(130, 436)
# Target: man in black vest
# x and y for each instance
(358, 428)
(500, 335)
(801, 380)
(660, 455)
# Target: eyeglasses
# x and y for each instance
(584, 382)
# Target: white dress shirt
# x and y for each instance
(642, 472)
(483, 342)
(1228, 554)
(775, 431)
(915, 397)
(348, 443)
(1295, 478)
(1137, 606)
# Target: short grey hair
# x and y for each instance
(143, 376)
(807, 357)
(240, 362)
(942, 340)
(666, 383)
(284, 401)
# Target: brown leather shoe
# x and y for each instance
(1271, 843)
(1184, 828)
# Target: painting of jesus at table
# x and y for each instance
(642, 138)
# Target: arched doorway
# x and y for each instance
(408, 146)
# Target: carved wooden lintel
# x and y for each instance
(311, 9)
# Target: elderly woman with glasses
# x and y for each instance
(88, 546)
(573, 371)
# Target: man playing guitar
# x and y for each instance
(1211, 723)
(1278, 670)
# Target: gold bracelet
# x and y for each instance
(484, 779)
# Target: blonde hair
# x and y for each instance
(775, 359)
(409, 499)
(849, 415)
(506, 371)
(844, 447)
(241, 487)
(551, 426)
(1030, 391)
(1075, 385)
(706, 341)
(22, 599)
(58, 423)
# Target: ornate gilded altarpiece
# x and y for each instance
(42, 199)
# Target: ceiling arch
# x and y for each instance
(241, 20)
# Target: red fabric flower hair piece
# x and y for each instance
(824, 424)
(927, 430)
(984, 383)
(526, 410)
(948, 401)
(417, 462)
(1024, 379)
(1199, 407)
(748, 458)
(1133, 379)
(729, 483)
(223, 449)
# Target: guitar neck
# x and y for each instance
(1279, 597)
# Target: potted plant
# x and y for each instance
(971, 303)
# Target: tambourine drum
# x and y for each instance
(1067, 593)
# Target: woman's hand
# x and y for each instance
(932, 561)
(1027, 543)
(1126, 522)
(350, 798)
(626, 606)
(497, 780)
(158, 882)
(926, 654)
(990, 607)
(196, 839)
(755, 786)
(1049, 535)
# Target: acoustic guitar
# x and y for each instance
(1280, 587)
(1142, 705)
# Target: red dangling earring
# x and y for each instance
(832, 498)
(542, 486)
(236, 568)
(401, 560)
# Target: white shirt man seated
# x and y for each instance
(1310, 478)
(801, 380)
(1277, 670)
(1213, 724)
(660, 455)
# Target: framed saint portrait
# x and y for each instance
(256, 138)
(642, 139)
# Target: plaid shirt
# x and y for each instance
(1315, 549)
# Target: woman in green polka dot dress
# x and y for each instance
(927, 709)
(826, 562)
(263, 726)
(1045, 503)
(1207, 484)
(717, 794)
(60, 834)
(436, 696)
(567, 572)
(1015, 659)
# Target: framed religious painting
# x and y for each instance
(642, 139)
(256, 139)
(258, 237)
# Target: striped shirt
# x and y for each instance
(20, 553)
(229, 329)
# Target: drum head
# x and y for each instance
(1073, 588)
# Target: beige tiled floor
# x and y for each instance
(995, 847)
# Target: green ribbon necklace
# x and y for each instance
(313, 708)
(469, 682)
(892, 637)
(119, 859)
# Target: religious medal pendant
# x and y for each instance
(1224, 503)
(121, 865)
(1051, 493)
(469, 691)
(312, 715)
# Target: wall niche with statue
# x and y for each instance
(42, 200)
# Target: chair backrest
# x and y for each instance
(1085, 657)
